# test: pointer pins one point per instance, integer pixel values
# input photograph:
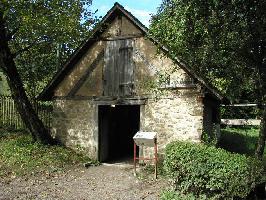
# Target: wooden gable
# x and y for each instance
(107, 68)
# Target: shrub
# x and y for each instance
(205, 170)
(173, 195)
(210, 139)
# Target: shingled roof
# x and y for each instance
(116, 10)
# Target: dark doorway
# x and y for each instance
(117, 126)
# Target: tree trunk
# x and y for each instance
(262, 136)
(25, 109)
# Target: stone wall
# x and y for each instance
(176, 117)
(75, 125)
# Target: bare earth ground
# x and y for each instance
(101, 182)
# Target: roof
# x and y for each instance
(117, 9)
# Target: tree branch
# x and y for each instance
(14, 55)
(29, 47)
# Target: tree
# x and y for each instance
(224, 41)
(47, 32)
(30, 31)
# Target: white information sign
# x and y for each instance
(142, 138)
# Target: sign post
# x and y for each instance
(148, 139)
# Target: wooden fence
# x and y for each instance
(241, 122)
(10, 118)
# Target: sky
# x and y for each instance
(141, 9)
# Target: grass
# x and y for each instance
(146, 171)
(22, 156)
(241, 140)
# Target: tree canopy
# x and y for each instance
(224, 41)
(32, 34)
(43, 34)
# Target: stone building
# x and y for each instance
(117, 83)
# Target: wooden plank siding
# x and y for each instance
(119, 68)
(10, 118)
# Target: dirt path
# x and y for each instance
(101, 182)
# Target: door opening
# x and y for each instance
(117, 126)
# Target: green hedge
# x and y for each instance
(205, 170)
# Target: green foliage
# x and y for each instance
(21, 156)
(174, 195)
(43, 34)
(210, 138)
(241, 140)
(239, 112)
(205, 170)
(223, 41)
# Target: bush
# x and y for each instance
(210, 171)
(173, 195)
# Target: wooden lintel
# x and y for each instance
(120, 100)
(107, 100)
(78, 97)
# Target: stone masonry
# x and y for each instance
(178, 117)
(75, 126)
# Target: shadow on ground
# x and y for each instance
(236, 142)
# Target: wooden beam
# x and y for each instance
(243, 105)
(240, 122)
